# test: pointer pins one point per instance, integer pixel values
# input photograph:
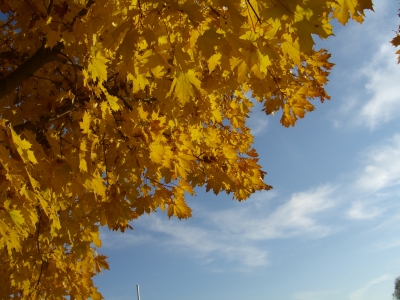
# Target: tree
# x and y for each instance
(396, 293)
(113, 108)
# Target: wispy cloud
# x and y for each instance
(361, 211)
(117, 240)
(388, 245)
(383, 89)
(242, 234)
(205, 243)
(258, 121)
(298, 215)
(376, 182)
(359, 293)
(373, 98)
(367, 74)
(238, 234)
(295, 217)
(258, 125)
(391, 222)
(382, 167)
(312, 295)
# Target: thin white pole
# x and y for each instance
(138, 292)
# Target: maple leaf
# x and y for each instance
(23, 147)
(17, 217)
(178, 206)
(97, 67)
(183, 86)
(344, 9)
(396, 42)
(101, 263)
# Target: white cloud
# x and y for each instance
(373, 96)
(389, 223)
(366, 75)
(388, 245)
(241, 234)
(234, 235)
(295, 217)
(359, 293)
(376, 183)
(258, 120)
(382, 74)
(312, 295)
(205, 243)
(258, 125)
(382, 167)
(237, 235)
(118, 240)
(361, 211)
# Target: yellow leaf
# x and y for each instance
(35, 184)
(96, 238)
(213, 61)
(10, 238)
(15, 214)
(184, 164)
(182, 86)
(82, 164)
(178, 207)
(85, 124)
(156, 152)
(31, 157)
(292, 51)
(96, 185)
(112, 101)
(20, 143)
(97, 66)
(186, 186)
(344, 9)
(23, 147)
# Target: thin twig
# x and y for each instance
(73, 65)
(105, 157)
(276, 82)
(30, 6)
(254, 11)
(40, 77)
(215, 11)
(68, 142)
(82, 12)
(50, 7)
(38, 250)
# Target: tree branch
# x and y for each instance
(8, 54)
(68, 62)
(38, 60)
(82, 12)
(50, 7)
(28, 68)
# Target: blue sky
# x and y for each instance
(330, 228)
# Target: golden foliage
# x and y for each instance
(112, 109)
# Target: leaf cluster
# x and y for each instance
(112, 109)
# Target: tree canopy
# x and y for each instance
(115, 108)
(396, 293)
